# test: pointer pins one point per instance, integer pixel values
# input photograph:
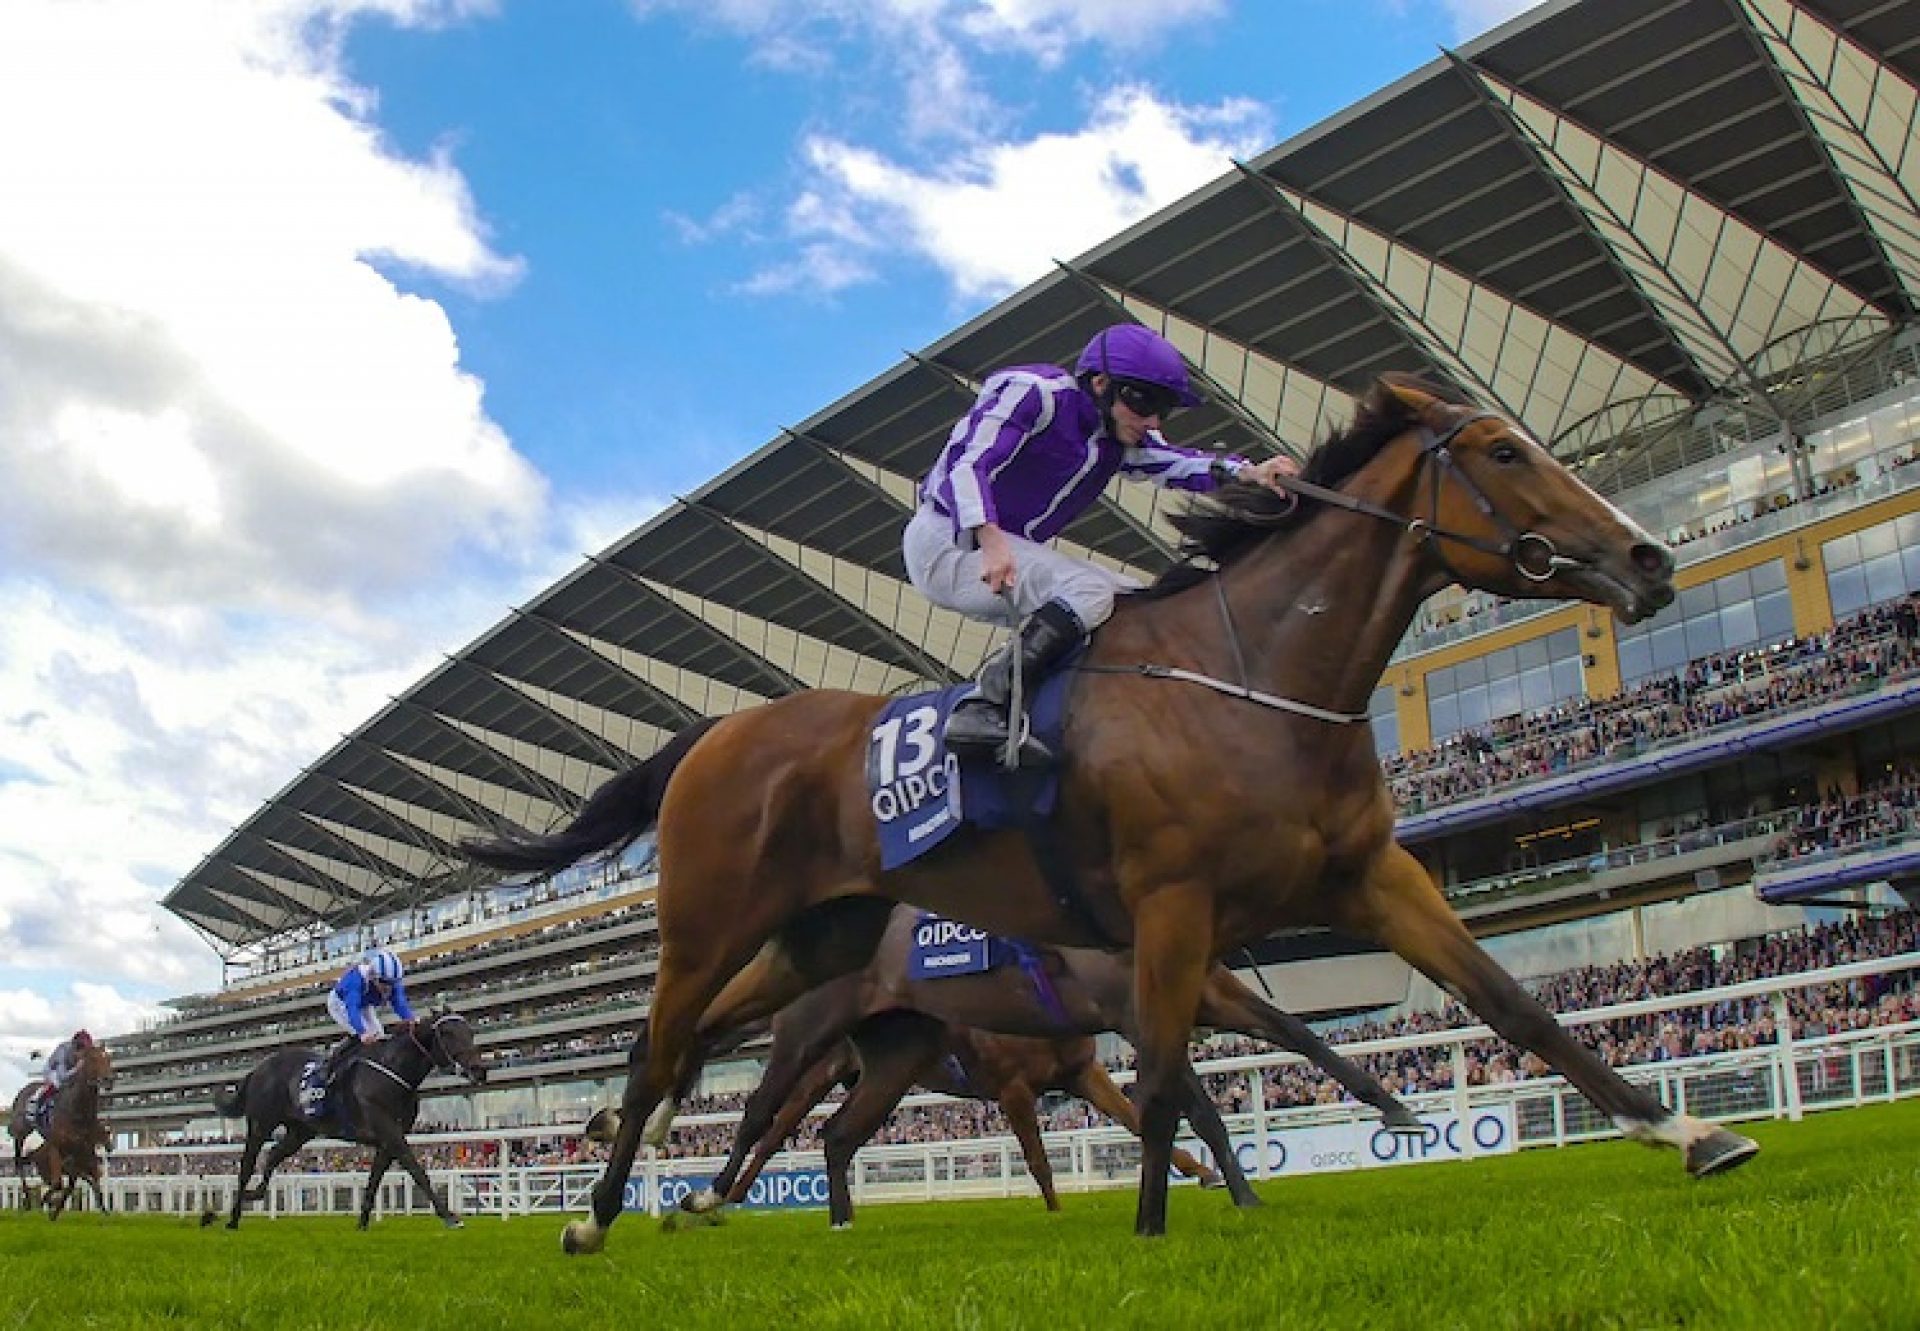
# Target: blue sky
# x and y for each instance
(329, 329)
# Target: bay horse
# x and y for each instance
(887, 1054)
(1061, 991)
(1219, 781)
(75, 1136)
(374, 1101)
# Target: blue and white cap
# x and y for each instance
(384, 966)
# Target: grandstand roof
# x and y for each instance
(1602, 205)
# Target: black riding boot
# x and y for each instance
(981, 722)
(337, 1058)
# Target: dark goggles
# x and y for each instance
(1144, 399)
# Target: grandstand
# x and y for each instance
(1679, 238)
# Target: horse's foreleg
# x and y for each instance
(1173, 941)
(776, 1107)
(1399, 905)
(802, 1097)
(1018, 1104)
(382, 1157)
(396, 1148)
(886, 1075)
(1226, 1004)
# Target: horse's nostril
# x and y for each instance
(1653, 559)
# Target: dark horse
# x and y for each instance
(1085, 992)
(1220, 782)
(374, 1101)
(74, 1136)
(889, 1053)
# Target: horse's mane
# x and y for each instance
(1217, 528)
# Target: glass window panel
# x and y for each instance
(1775, 614)
(1697, 600)
(1386, 735)
(1565, 643)
(1382, 702)
(1876, 541)
(1703, 637)
(1440, 682)
(1567, 682)
(1636, 658)
(1847, 589)
(1536, 688)
(1469, 673)
(1733, 587)
(1473, 708)
(1443, 714)
(1768, 577)
(1503, 696)
(1531, 653)
(1886, 580)
(1841, 552)
(1669, 646)
(1740, 625)
(1503, 663)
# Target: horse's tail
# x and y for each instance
(231, 1101)
(622, 809)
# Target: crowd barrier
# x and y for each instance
(1784, 1080)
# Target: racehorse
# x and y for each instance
(1219, 781)
(74, 1136)
(887, 1054)
(374, 1101)
(1059, 991)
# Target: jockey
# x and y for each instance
(355, 1003)
(1032, 455)
(63, 1062)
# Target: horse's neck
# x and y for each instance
(407, 1060)
(1316, 614)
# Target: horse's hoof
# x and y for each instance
(581, 1236)
(1718, 1152)
(1403, 1124)
(207, 1218)
(1212, 1180)
(1248, 1200)
(840, 1225)
(701, 1202)
(604, 1126)
(453, 1222)
(233, 1224)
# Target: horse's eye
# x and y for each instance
(1505, 454)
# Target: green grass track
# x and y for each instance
(1822, 1230)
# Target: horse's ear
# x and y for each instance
(1405, 394)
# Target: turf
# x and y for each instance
(1819, 1231)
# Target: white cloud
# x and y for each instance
(37, 1021)
(250, 489)
(1473, 17)
(998, 218)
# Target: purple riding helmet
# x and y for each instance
(1130, 351)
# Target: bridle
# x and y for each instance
(1533, 555)
(1437, 455)
(437, 1054)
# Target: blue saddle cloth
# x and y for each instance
(316, 1100)
(40, 1111)
(921, 793)
(943, 948)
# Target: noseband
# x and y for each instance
(1534, 556)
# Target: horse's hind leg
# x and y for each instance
(887, 1072)
(1226, 1004)
(1399, 905)
(1018, 1104)
(249, 1157)
(704, 991)
(292, 1138)
(382, 1157)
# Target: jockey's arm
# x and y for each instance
(353, 996)
(401, 1008)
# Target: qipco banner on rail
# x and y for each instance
(793, 1189)
(1336, 1146)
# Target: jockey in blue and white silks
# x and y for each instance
(355, 1001)
(1032, 455)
